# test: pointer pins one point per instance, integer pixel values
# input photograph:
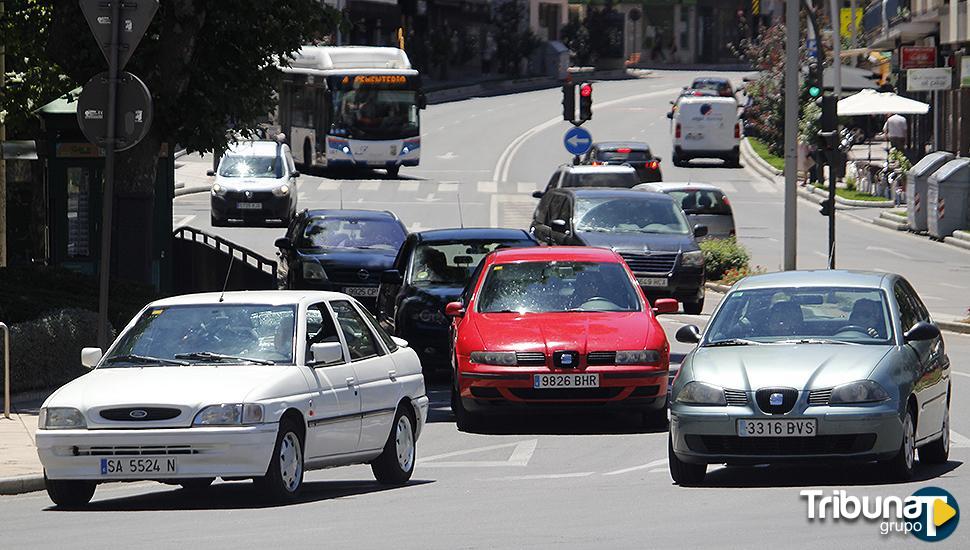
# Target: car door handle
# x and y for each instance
(350, 381)
(392, 374)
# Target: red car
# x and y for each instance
(557, 326)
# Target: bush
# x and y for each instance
(721, 255)
(735, 274)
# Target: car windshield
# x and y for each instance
(245, 166)
(720, 86)
(624, 155)
(617, 179)
(702, 201)
(376, 113)
(547, 287)
(211, 333)
(628, 215)
(452, 263)
(332, 232)
(769, 315)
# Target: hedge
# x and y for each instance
(722, 255)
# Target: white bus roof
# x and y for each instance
(347, 59)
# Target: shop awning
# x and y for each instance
(871, 102)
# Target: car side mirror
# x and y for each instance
(455, 309)
(295, 174)
(210, 173)
(700, 231)
(670, 115)
(665, 305)
(401, 342)
(558, 226)
(325, 353)
(283, 243)
(688, 334)
(90, 357)
(392, 277)
(537, 194)
(658, 159)
(921, 332)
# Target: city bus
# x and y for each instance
(351, 106)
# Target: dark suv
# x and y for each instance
(567, 175)
(635, 154)
(649, 230)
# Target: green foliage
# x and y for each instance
(513, 39)
(721, 255)
(898, 158)
(808, 122)
(762, 150)
(735, 274)
(575, 35)
(605, 28)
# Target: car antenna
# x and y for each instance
(461, 219)
(232, 258)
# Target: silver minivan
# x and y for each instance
(255, 183)
(703, 203)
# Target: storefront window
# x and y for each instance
(78, 212)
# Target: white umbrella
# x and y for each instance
(871, 102)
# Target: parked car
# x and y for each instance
(262, 385)
(340, 250)
(635, 154)
(703, 203)
(554, 327)
(706, 127)
(648, 230)
(812, 366)
(567, 176)
(432, 269)
(717, 84)
(255, 183)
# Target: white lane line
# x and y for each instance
(948, 285)
(447, 187)
(521, 454)
(525, 187)
(409, 186)
(415, 227)
(329, 186)
(959, 440)
(958, 373)
(933, 298)
(762, 186)
(727, 187)
(488, 187)
(370, 185)
(545, 476)
(635, 468)
(184, 221)
(890, 251)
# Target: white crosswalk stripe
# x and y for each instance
(408, 186)
(762, 186)
(329, 185)
(447, 187)
(727, 187)
(525, 187)
(487, 187)
(371, 185)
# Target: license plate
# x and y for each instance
(777, 428)
(544, 381)
(652, 281)
(142, 465)
(695, 136)
(250, 205)
(361, 291)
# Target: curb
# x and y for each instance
(715, 287)
(757, 164)
(191, 190)
(21, 484)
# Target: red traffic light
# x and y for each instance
(586, 90)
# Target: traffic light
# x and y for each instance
(826, 207)
(829, 121)
(814, 81)
(569, 102)
(585, 101)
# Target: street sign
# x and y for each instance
(577, 141)
(811, 46)
(929, 80)
(135, 17)
(134, 114)
(917, 57)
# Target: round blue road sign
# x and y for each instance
(577, 141)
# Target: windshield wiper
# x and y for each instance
(815, 341)
(210, 356)
(134, 358)
(733, 342)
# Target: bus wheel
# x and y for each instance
(393, 171)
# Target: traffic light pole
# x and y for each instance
(837, 91)
(792, 26)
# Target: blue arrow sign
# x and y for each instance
(577, 141)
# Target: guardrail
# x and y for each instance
(6, 370)
(218, 243)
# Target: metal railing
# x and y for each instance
(218, 243)
(6, 370)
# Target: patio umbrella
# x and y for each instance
(871, 102)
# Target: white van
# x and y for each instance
(706, 127)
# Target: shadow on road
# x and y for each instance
(357, 174)
(712, 164)
(748, 477)
(233, 496)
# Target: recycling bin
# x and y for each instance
(917, 182)
(946, 198)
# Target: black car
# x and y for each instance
(636, 154)
(431, 270)
(649, 230)
(340, 250)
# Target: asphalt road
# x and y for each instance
(581, 480)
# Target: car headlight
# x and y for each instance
(312, 271)
(229, 414)
(699, 393)
(60, 418)
(218, 190)
(501, 358)
(694, 258)
(345, 149)
(282, 190)
(637, 357)
(862, 391)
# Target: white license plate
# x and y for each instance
(250, 205)
(777, 428)
(544, 381)
(141, 465)
(652, 281)
(695, 136)
(361, 291)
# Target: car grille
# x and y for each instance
(601, 358)
(821, 444)
(152, 450)
(564, 394)
(142, 414)
(788, 398)
(736, 398)
(352, 275)
(530, 359)
(650, 263)
(819, 397)
(257, 196)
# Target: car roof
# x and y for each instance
(708, 99)
(268, 297)
(610, 145)
(601, 169)
(353, 213)
(821, 278)
(619, 192)
(474, 233)
(254, 148)
(676, 186)
(554, 253)
(712, 79)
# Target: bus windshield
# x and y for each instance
(374, 113)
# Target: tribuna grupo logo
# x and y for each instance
(929, 514)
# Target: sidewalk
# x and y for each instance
(20, 469)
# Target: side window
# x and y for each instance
(565, 210)
(466, 294)
(361, 342)
(404, 256)
(542, 209)
(907, 314)
(555, 208)
(389, 342)
(922, 314)
(319, 327)
(554, 180)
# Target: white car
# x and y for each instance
(706, 127)
(238, 385)
(255, 183)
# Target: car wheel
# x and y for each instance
(393, 171)
(683, 473)
(694, 308)
(465, 420)
(900, 467)
(284, 476)
(938, 452)
(196, 485)
(395, 464)
(69, 493)
(732, 162)
(216, 222)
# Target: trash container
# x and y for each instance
(917, 181)
(946, 198)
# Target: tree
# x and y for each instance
(513, 40)
(575, 36)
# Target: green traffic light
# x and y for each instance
(814, 91)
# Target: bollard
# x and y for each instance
(6, 370)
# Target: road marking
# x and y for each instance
(727, 187)
(763, 187)
(891, 252)
(525, 187)
(329, 186)
(933, 298)
(545, 476)
(635, 468)
(429, 198)
(488, 187)
(370, 185)
(409, 186)
(958, 287)
(447, 156)
(449, 187)
(521, 454)
(415, 227)
(959, 440)
(958, 373)
(183, 222)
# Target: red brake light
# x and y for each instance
(625, 150)
(653, 165)
(677, 131)
(586, 90)
(737, 131)
(726, 201)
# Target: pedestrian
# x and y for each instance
(488, 52)
(896, 130)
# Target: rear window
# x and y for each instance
(624, 180)
(702, 201)
(631, 155)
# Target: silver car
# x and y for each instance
(704, 204)
(810, 366)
